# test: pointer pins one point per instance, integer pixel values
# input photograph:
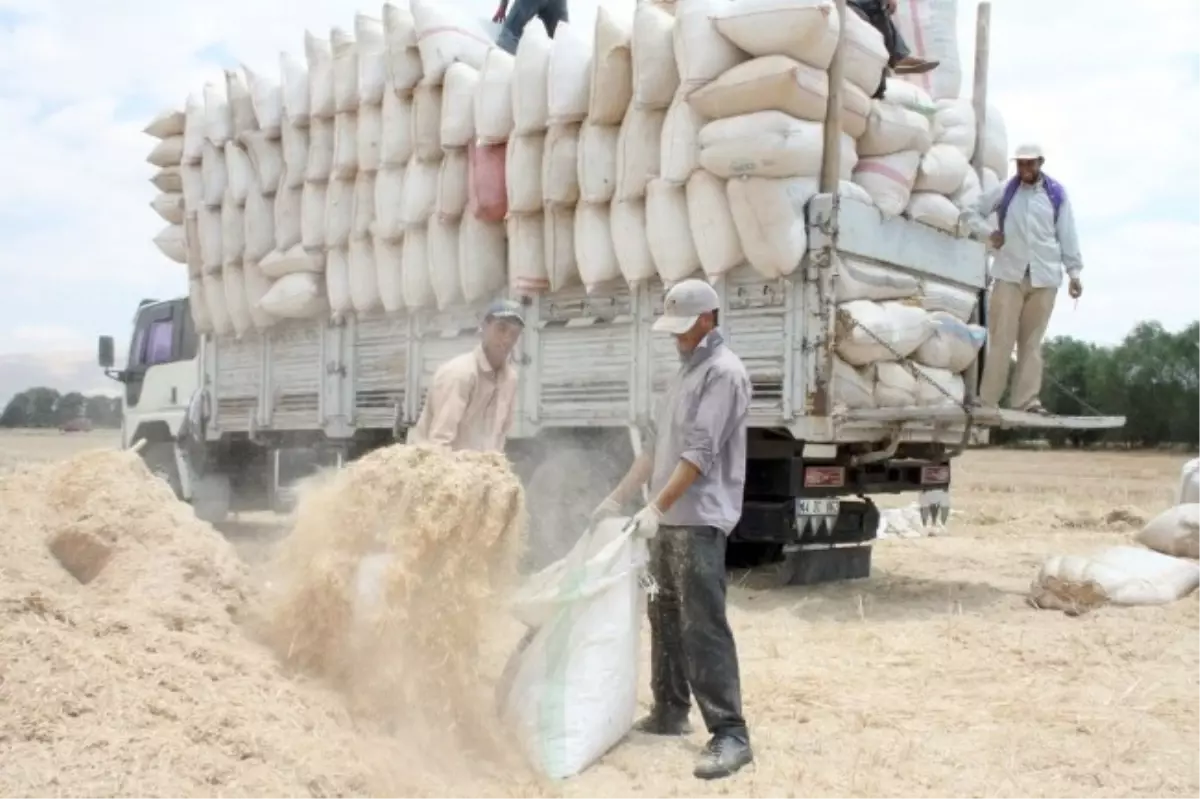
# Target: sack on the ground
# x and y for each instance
(1189, 483)
(1120, 576)
(574, 685)
(1174, 532)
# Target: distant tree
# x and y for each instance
(46, 407)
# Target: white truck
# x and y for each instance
(232, 422)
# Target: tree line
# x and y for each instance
(47, 407)
(1152, 378)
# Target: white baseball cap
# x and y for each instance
(1028, 152)
(683, 305)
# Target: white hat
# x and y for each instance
(683, 305)
(1028, 152)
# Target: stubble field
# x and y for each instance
(932, 677)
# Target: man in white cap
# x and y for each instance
(471, 402)
(1035, 242)
(695, 462)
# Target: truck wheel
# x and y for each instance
(159, 457)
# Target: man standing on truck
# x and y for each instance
(1035, 242)
(550, 12)
(471, 402)
(695, 463)
(901, 61)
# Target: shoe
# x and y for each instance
(914, 66)
(673, 723)
(723, 757)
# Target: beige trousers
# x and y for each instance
(1018, 314)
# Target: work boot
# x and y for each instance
(914, 66)
(723, 757)
(672, 722)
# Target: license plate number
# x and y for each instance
(818, 507)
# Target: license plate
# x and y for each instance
(818, 507)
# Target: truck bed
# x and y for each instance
(592, 360)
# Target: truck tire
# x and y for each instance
(159, 457)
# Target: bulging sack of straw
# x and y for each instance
(1118, 575)
(573, 689)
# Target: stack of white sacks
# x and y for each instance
(414, 166)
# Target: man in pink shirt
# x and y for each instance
(471, 402)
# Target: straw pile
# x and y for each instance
(408, 652)
(123, 669)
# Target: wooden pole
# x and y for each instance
(831, 158)
(983, 27)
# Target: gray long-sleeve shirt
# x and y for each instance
(702, 419)
(1032, 239)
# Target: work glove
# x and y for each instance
(645, 522)
(607, 509)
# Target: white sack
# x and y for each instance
(769, 214)
(628, 220)
(451, 198)
(713, 229)
(320, 77)
(938, 387)
(853, 387)
(768, 144)
(212, 252)
(364, 284)
(942, 171)
(293, 75)
(445, 35)
(266, 159)
(266, 100)
(669, 232)
(281, 263)
(369, 36)
(237, 305)
(169, 205)
(420, 192)
(639, 150)
(895, 331)
(702, 54)
(339, 212)
(345, 71)
(418, 289)
(959, 303)
(337, 283)
(312, 215)
(172, 243)
(345, 145)
(260, 226)
(396, 129)
(888, 179)
(216, 178)
(953, 346)
(527, 253)
(859, 280)
(170, 178)
(239, 172)
(458, 106)
(1175, 531)
(427, 122)
(389, 202)
(321, 145)
(864, 56)
(594, 252)
(560, 173)
(482, 258)
(166, 124)
(680, 155)
(256, 287)
(570, 68)
(193, 130)
(400, 44)
(389, 273)
(295, 296)
(589, 610)
(611, 79)
(597, 162)
(198, 303)
(289, 212)
(806, 30)
(1119, 575)
(442, 251)
(655, 74)
(523, 170)
(892, 128)
(895, 385)
(530, 81)
(218, 117)
(930, 27)
(214, 301)
(494, 99)
(562, 270)
(954, 125)
(1189, 483)
(364, 204)
(934, 210)
(168, 152)
(241, 104)
(370, 137)
(233, 234)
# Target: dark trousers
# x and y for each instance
(550, 12)
(691, 645)
(875, 13)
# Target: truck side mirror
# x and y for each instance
(105, 354)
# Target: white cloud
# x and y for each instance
(1111, 89)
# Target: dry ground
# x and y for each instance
(933, 678)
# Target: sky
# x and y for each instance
(1109, 88)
